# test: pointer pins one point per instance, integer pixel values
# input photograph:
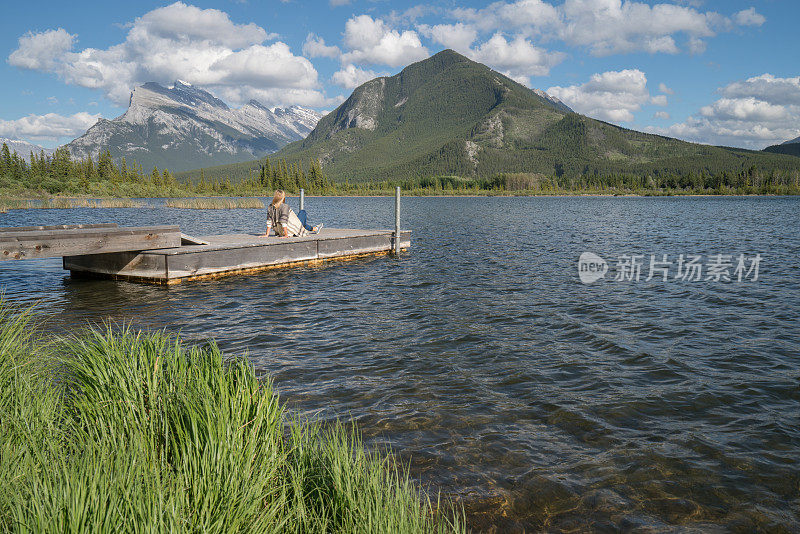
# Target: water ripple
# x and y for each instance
(480, 359)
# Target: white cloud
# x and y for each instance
(263, 66)
(278, 96)
(40, 51)
(372, 42)
(181, 22)
(534, 15)
(606, 27)
(662, 88)
(696, 46)
(612, 27)
(785, 91)
(743, 109)
(611, 96)
(351, 76)
(316, 47)
(659, 100)
(749, 17)
(457, 36)
(661, 115)
(518, 57)
(410, 15)
(751, 113)
(48, 127)
(179, 41)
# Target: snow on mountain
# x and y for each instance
(24, 148)
(184, 127)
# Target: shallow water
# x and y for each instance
(482, 360)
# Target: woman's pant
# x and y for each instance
(303, 216)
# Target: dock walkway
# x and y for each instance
(234, 254)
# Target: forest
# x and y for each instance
(59, 174)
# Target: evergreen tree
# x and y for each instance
(105, 164)
(123, 170)
(5, 160)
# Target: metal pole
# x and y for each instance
(302, 199)
(397, 221)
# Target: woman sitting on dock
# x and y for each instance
(285, 222)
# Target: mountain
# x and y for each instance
(791, 147)
(448, 115)
(184, 127)
(24, 148)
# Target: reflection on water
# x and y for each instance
(538, 402)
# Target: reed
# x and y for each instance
(139, 431)
(67, 203)
(14, 204)
(215, 203)
(58, 203)
(117, 203)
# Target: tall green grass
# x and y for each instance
(123, 431)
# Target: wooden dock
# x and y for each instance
(163, 255)
(234, 254)
(32, 242)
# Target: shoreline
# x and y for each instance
(31, 198)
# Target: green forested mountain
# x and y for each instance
(789, 147)
(448, 115)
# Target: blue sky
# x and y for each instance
(720, 72)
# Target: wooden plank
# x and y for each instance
(136, 264)
(190, 240)
(71, 233)
(75, 242)
(330, 248)
(56, 227)
(361, 244)
(221, 260)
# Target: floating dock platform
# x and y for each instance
(223, 255)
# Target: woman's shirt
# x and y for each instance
(277, 216)
(284, 217)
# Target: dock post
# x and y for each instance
(302, 199)
(397, 221)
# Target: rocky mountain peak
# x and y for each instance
(24, 148)
(152, 95)
(183, 127)
(258, 105)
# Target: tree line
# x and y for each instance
(60, 173)
(271, 175)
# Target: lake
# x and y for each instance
(483, 361)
